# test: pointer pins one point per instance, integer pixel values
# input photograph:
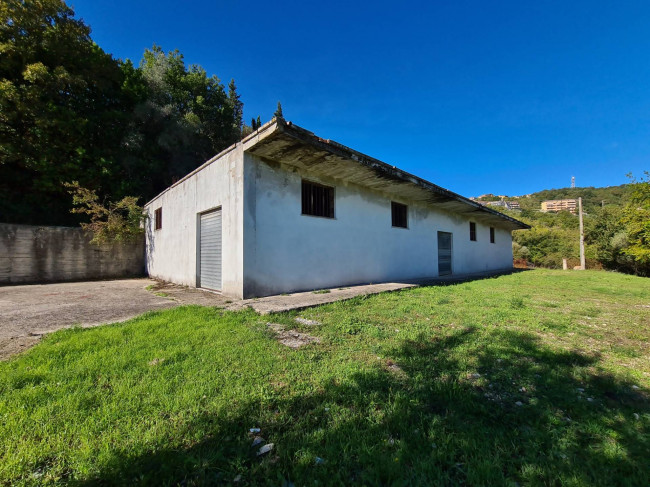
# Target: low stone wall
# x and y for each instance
(32, 254)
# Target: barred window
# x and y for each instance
(472, 231)
(317, 199)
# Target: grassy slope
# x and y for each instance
(419, 386)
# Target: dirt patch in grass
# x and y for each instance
(184, 295)
(291, 338)
(15, 345)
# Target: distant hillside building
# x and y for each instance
(508, 205)
(560, 205)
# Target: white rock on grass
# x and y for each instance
(265, 449)
(306, 322)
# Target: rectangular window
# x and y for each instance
(400, 214)
(158, 219)
(472, 231)
(491, 234)
(317, 199)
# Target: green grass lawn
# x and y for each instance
(535, 378)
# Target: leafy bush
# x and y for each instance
(110, 222)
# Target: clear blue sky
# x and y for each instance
(503, 97)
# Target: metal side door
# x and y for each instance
(444, 253)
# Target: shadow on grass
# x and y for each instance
(523, 417)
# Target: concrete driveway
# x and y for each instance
(27, 312)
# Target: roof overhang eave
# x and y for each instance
(283, 142)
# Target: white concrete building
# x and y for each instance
(284, 210)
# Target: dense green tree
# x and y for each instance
(61, 110)
(183, 118)
(70, 112)
(636, 218)
(605, 232)
(546, 246)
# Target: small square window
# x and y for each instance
(317, 199)
(491, 234)
(400, 214)
(472, 231)
(158, 219)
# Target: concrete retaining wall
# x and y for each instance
(31, 254)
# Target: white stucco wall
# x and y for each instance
(172, 250)
(285, 251)
(269, 247)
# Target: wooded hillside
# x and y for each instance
(71, 112)
(591, 197)
(617, 228)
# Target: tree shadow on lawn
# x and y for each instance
(524, 417)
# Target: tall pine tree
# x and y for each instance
(278, 111)
(237, 108)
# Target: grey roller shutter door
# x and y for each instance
(444, 253)
(210, 248)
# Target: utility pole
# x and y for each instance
(582, 237)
